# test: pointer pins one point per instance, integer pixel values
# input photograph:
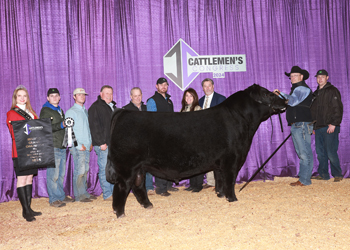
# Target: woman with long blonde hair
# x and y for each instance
(21, 109)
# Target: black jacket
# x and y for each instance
(327, 107)
(57, 131)
(132, 106)
(100, 115)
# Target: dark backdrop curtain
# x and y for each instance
(70, 44)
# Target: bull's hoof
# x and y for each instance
(148, 206)
(220, 195)
(232, 199)
(121, 216)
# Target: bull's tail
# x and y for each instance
(111, 174)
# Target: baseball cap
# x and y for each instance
(321, 72)
(79, 91)
(162, 80)
(52, 91)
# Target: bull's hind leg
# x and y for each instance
(120, 193)
(141, 196)
(139, 190)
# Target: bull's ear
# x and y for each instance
(254, 90)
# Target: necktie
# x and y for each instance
(206, 102)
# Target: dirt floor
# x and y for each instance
(268, 215)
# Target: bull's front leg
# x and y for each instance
(120, 193)
(219, 186)
(229, 180)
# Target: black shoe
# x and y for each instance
(166, 193)
(172, 189)
(92, 197)
(337, 179)
(196, 190)
(85, 200)
(29, 189)
(26, 213)
(205, 186)
(189, 188)
(317, 178)
(68, 200)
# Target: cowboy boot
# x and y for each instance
(28, 189)
(23, 199)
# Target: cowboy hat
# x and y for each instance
(297, 69)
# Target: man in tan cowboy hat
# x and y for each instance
(299, 118)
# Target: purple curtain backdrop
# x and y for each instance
(70, 44)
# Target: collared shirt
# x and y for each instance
(210, 98)
(299, 94)
(81, 125)
(139, 108)
(111, 104)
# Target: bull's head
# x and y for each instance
(265, 97)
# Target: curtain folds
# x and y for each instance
(69, 44)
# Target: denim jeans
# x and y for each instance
(107, 188)
(301, 134)
(55, 176)
(81, 168)
(149, 182)
(326, 149)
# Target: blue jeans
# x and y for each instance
(55, 176)
(326, 149)
(81, 168)
(149, 182)
(301, 134)
(107, 188)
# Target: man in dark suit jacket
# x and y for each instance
(209, 100)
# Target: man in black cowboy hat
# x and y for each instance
(299, 118)
(327, 111)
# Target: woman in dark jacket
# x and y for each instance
(190, 103)
(22, 110)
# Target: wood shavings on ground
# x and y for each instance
(268, 215)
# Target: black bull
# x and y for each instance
(176, 146)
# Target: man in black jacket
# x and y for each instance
(55, 176)
(100, 114)
(327, 110)
(136, 102)
(160, 102)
